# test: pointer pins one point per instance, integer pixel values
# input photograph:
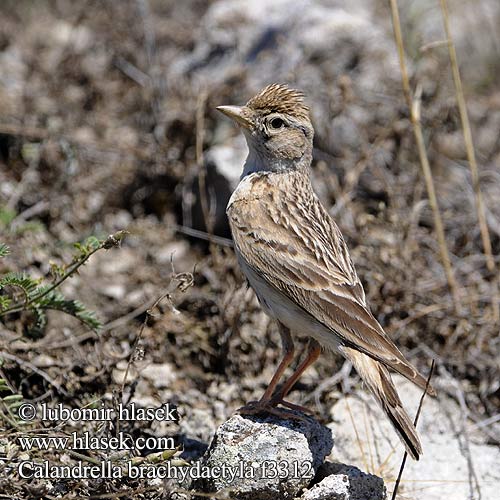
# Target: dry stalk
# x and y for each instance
(202, 235)
(178, 281)
(35, 369)
(471, 155)
(414, 107)
(200, 160)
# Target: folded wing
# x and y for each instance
(310, 264)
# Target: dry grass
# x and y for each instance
(414, 104)
(471, 156)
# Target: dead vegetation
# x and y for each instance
(95, 139)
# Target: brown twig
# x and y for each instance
(178, 281)
(414, 108)
(139, 336)
(415, 422)
(200, 161)
(202, 235)
(35, 369)
(136, 343)
(111, 240)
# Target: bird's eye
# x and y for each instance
(277, 123)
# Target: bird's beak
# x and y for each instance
(236, 113)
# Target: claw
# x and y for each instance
(269, 406)
(292, 406)
(258, 407)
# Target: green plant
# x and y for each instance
(9, 405)
(19, 292)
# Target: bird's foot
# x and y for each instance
(262, 406)
(291, 406)
(270, 407)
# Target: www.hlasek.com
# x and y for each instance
(267, 469)
(86, 441)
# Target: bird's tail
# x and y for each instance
(376, 376)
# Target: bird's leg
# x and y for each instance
(265, 403)
(313, 352)
(288, 353)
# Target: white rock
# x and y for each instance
(43, 361)
(334, 487)
(345, 482)
(229, 158)
(454, 451)
(283, 454)
(114, 291)
(162, 375)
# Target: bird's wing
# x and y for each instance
(298, 249)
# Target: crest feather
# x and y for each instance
(277, 98)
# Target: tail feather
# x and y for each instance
(377, 378)
(408, 371)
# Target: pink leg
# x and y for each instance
(314, 350)
(265, 402)
(289, 350)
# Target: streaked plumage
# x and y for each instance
(277, 98)
(296, 259)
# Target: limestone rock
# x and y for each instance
(274, 458)
(333, 487)
(345, 482)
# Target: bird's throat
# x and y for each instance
(258, 162)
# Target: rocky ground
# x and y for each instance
(107, 123)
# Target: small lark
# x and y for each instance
(297, 261)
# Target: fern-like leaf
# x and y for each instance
(34, 322)
(9, 405)
(56, 300)
(39, 298)
(90, 245)
(20, 280)
(4, 250)
(5, 302)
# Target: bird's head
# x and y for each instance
(277, 128)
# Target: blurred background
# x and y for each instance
(107, 123)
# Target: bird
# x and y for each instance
(296, 260)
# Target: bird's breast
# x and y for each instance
(251, 188)
(280, 307)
